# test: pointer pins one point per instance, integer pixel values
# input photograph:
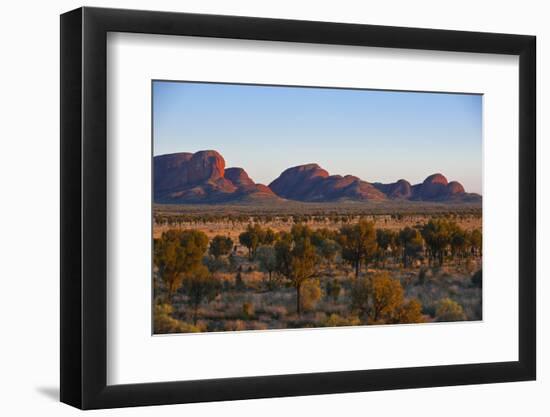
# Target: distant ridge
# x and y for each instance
(201, 177)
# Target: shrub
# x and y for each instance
(200, 286)
(410, 312)
(311, 294)
(258, 325)
(220, 245)
(477, 279)
(163, 322)
(335, 321)
(387, 297)
(248, 310)
(360, 297)
(234, 325)
(215, 264)
(276, 312)
(333, 289)
(449, 310)
(239, 283)
(422, 276)
(429, 309)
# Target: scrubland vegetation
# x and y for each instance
(227, 272)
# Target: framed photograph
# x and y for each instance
(257, 208)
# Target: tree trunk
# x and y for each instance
(170, 292)
(195, 314)
(298, 300)
(357, 264)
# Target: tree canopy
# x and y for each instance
(177, 253)
(358, 243)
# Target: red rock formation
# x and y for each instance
(454, 187)
(312, 183)
(238, 176)
(297, 181)
(205, 166)
(401, 189)
(434, 187)
(202, 178)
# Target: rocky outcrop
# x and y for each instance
(238, 176)
(401, 189)
(312, 183)
(437, 188)
(454, 187)
(202, 178)
(433, 188)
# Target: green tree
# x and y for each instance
(358, 244)
(318, 236)
(283, 255)
(303, 262)
(410, 242)
(459, 242)
(385, 239)
(200, 286)
(328, 249)
(296, 260)
(177, 252)
(250, 239)
(267, 259)
(475, 240)
(268, 237)
(437, 235)
(300, 232)
(220, 246)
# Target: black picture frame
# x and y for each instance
(84, 207)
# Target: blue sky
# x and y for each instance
(375, 135)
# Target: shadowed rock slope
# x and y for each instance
(434, 188)
(201, 177)
(312, 183)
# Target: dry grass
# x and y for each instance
(253, 305)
